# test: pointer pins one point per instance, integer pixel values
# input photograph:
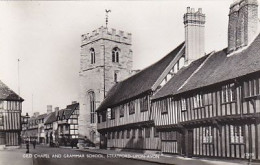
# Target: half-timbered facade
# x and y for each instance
(10, 116)
(67, 121)
(211, 108)
(124, 117)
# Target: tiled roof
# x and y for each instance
(218, 67)
(52, 118)
(139, 83)
(63, 112)
(7, 94)
(221, 67)
(42, 116)
(178, 79)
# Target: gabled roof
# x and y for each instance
(7, 94)
(222, 67)
(139, 83)
(179, 78)
(52, 118)
(218, 67)
(63, 112)
(41, 116)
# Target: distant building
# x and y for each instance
(10, 117)
(32, 128)
(24, 122)
(105, 59)
(62, 125)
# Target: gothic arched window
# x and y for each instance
(115, 54)
(92, 54)
(91, 95)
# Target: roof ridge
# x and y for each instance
(186, 81)
(144, 69)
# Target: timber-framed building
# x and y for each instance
(10, 117)
(204, 105)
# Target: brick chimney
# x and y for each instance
(36, 114)
(56, 109)
(194, 23)
(49, 109)
(243, 23)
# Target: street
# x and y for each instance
(44, 155)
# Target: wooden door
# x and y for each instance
(190, 143)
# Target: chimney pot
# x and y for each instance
(188, 9)
(49, 109)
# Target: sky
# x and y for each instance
(46, 36)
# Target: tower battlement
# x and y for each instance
(109, 34)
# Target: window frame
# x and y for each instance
(122, 111)
(207, 135)
(156, 133)
(184, 104)
(164, 106)
(113, 114)
(92, 56)
(92, 102)
(228, 93)
(198, 101)
(144, 105)
(131, 106)
(115, 54)
(237, 133)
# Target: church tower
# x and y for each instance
(106, 58)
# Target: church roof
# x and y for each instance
(7, 94)
(218, 67)
(139, 83)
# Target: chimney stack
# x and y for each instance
(49, 109)
(194, 23)
(243, 23)
(56, 109)
(36, 114)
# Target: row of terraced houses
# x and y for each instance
(188, 103)
(58, 126)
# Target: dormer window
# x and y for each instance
(115, 54)
(92, 56)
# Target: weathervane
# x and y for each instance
(107, 11)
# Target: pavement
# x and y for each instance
(14, 156)
(46, 155)
(173, 159)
